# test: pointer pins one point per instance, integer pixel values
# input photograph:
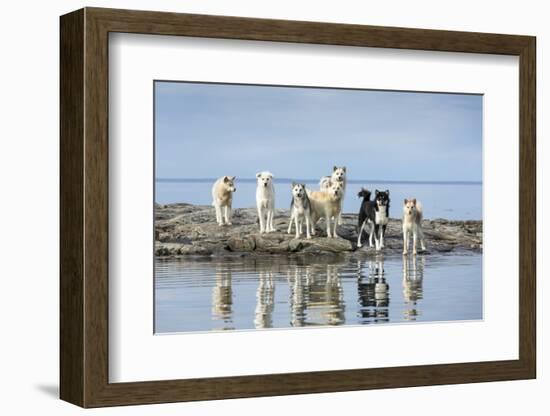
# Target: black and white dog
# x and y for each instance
(374, 215)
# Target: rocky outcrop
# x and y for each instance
(184, 229)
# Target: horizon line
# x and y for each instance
(353, 181)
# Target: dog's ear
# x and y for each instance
(225, 179)
(405, 201)
(233, 178)
(293, 184)
(344, 168)
(414, 201)
(258, 174)
(303, 185)
(334, 168)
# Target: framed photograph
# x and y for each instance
(255, 207)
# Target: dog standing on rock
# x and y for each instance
(412, 224)
(338, 176)
(222, 197)
(265, 201)
(374, 217)
(300, 210)
(326, 204)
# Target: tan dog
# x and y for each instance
(412, 223)
(326, 204)
(222, 197)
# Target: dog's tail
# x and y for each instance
(419, 211)
(365, 193)
(324, 183)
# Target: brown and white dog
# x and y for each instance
(327, 204)
(338, 175)
(222, 197)
(412, 224)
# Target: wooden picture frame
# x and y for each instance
(84, 207)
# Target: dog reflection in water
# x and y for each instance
(265, 300)
(413, 275)
(222, 296)
(317, 297)
(373, 290)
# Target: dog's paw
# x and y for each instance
(229, 223)
(308, 237)
(359, 245)
(405, 252)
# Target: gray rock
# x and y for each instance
(185, 229)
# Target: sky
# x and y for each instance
(210, 130)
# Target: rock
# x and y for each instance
(271, 244)
(185, 229)
(241, 244)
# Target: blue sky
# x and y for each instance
(210, 130)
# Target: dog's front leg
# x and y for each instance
(414, 241)
(228, 215)
(298, 226)
(219, 214)
(405, 241)
(377, 236)
(327, 218)
(270, 214)
(290, 223)
(371, 234)
(334, 229)
(308, 235)
(261, 217)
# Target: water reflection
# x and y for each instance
(280, 291)
(373, 290)
(316, 296)
(265, 295)
(413, 276)
(222, 297)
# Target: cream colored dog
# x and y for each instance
(326, 204)
(412, 224)
(265, 201)
(222, 197)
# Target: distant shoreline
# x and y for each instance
(316, 181)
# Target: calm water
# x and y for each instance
(454, 201)
(281, 292)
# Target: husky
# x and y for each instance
(375, 215)
(412, 224)
(338, 175)
(300, 210)
(265, 201)
(222, 197)
(326, 204)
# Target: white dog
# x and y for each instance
(222, 197)
(326, 204)
(338, 175)
(265, 201)
(300, 210)
(412, 223)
